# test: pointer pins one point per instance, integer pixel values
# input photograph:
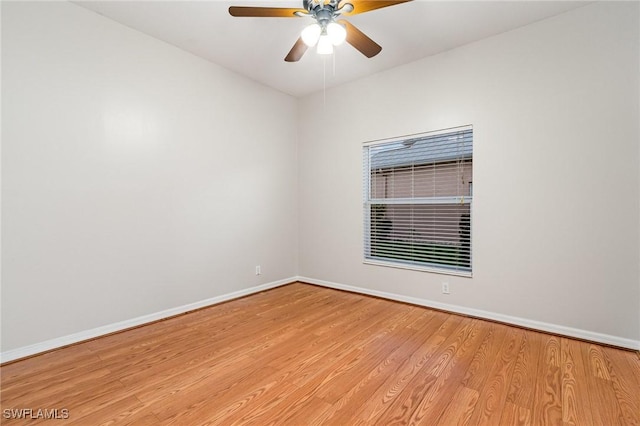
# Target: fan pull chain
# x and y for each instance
(334, 63)
(324, 83)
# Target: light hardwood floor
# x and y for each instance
(302, 354)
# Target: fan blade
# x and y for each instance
(360, 41)
(296, 51)
(264, 12)
(362, 6)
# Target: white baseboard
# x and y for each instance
(522, 322)
(59, 342)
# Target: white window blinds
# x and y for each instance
(417, 201)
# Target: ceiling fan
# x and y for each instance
(327, 30)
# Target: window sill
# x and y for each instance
(418, 268)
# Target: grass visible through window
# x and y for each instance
(423, 252)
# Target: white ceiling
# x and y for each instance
(256, 47)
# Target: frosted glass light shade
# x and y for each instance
(311, 34)
(325, 47)
(336, 32)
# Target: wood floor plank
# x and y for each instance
(111, 344)
(523, 379)
(625, 390)
(69, 357)
(85, 401)
(419, 389)
(515, 415)
(51, 388)
(459, 411)
(373, 356)
(437, 400)
(629, 365)
(364, 390)
(483, 358)
(547, 400)
(493, 395)
(428, 340)
(449, 370)
(118, 411)
(206, 353)
(306, 355)
(212, 387)
(256, 409)
(575, 403)
(215, 406)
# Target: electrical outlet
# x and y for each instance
(445, 288)
(258, 271)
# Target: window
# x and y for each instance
(417, 201)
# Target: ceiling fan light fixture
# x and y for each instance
(311, 34)
(325, 47)
(337, 33)
(327, 29)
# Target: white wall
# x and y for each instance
(135, 176)
(555, 112)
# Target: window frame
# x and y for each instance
(368, 202)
